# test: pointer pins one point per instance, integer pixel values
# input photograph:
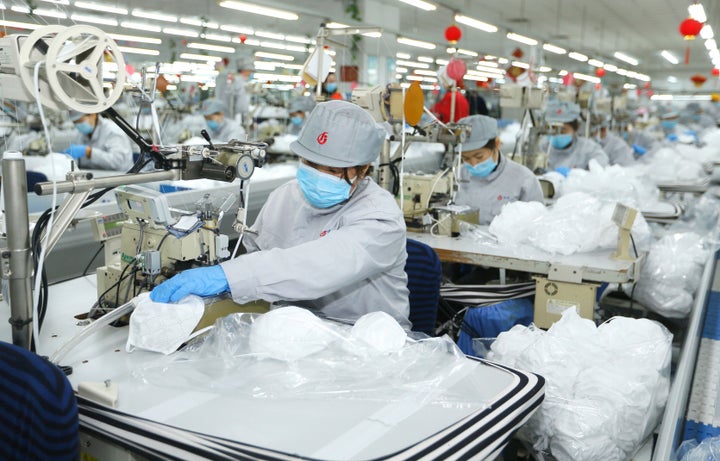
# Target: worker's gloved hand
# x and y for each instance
(672, 137)
(202, 281)
(639, 150)
(563, 170)
(76, 150)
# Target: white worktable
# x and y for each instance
(336, 429)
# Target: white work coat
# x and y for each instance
(229, 129)
(577, 155)
(618, 151)
(346, 260)
(510, 182)
(111, 147)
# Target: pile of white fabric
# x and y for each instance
(605, 388)
(576, 223)
(680, 163)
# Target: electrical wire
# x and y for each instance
(84, 272)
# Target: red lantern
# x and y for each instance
(243, 38)
(698, 80)
(456, 69)
(600, 72)
(453, 34)
(715, 71)
(517, 53)
(690, 27)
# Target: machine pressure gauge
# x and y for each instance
(245, 167)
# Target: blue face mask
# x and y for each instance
(212, 124)
(331, 87)
(84, 128)
(296, 120)
(668, 124)
(322, 190)
(561, 141)
(481, 169)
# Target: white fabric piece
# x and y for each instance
(605, 389)
(161, 327)
(379, 331)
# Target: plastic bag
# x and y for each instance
(707, 450)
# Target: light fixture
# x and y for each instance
(135, 38)
(181, 32)
(372, 34)
(441, 62)
(622, 72)
(336, 25)
(672, 79)
(427, 59)
(261, 10)
(94, 20)
(279, 57)
(296, 48)
(467, 53)
(707, 32)
(401, 70)
(416, 43)
(710, 44)
(554, 49)
(217, 37)
(416, 78)
(199, 23)
(277, 77)
(451, 50)
(297, 39)
(50, 13)
(402, 55)
(427, 73)
(563, 73)
(697, 12)
(520, 64)
(595, 63)
(544, 69)
(503, 61)
(273, 45)
(487, 63)
(208, 47)
(140, 26)
(20, 25)
(264, 65)
(237, 29)
(610, 67)
(271, 35)
(132, 50)
(475, 23)
(20, 9)
(630, 86)
(58, 2)
(587, 78)
(152, 15)
(521, 38)
(626, 58)
(248, 41)
(200, 57)
(101, 7)
(420, 4)
(577, 56)
(669, 56)
(416, 65)
(475, 78)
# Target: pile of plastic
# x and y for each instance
(707, 450)
(680, 163)
(576, 223)
(606, 386)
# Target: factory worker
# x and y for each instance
(232, 88)
(297, 117)
(567, 149)
(330, 88)
(220, 128)
(100, 143)
(443, 107)
(488, 179)
(618, 151)
(331, 240)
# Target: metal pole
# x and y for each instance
(80, 185)
(319, 49)
(19, 268)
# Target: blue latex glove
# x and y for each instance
(672, 137)
(76, 150)
(563, 170)
(639, 150)
(202, 281)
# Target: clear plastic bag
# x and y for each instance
(707, 450)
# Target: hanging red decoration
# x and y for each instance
(184, 42)
(689, 28)
(243, 38)
(453, 34)
(698, 80)
(715, 71)
(456, 69)
(517, 53)
(600, 72)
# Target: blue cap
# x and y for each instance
(212, 106)
(482, 130)
(562, 111)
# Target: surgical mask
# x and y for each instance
(481, 169)
(84, 128)
(297, 120)
(212, 124)
(561, 141)
(331, 87)
(668, 124)
(322, 190)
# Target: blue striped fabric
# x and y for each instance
(39, 417)
(424, 278)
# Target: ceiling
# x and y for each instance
(596, 28)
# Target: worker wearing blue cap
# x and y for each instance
(331, 240)
(488, 179)
(222, 129)
(100, 143)
(567, 149)
(618, 151)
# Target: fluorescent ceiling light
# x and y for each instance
(520, 64)
(563, 73)
(181, 32)
(58, 2)
(521, 38)
(278, 77)
(622, 72)
(441, 62)
(427, 59)
(264, 65)
(273, 45)
(610, 67)
(587, 78)
(416, 43)
(199, 23)
(279, 57)
(155, 16)
(672, 79)
(50, 13)
(372, 34)
(711, 44)
(205, 46)
(131, 50)
(428, 73)
(94, 19)
(451, 50)
(502, 61)
(416, 78)
(629, 86)
(271, 35)
(402, 55)
(296, 48)
(554, 49)
(135, 38)
(544, 69)
(467, 53)
(261, 10)
(416, 65)
(468, 21)
(488, 63)
(707, 32)
(20, 25)
(697, 12)
(336, 25)
(595, 63)
(420, 4)
(140, 26)
(669, 56)
(626, 58)
(101, 7)
(297, 39)
(248, 41)
(475, 78)
(577, 56)
(20, 9)
(217, 37)
(401, 70)
(200, 57)
(237, 29)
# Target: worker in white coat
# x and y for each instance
(567, 149)
(331, 240)
(488, 179)
(618, 151)
(221, 128)
(100, 144)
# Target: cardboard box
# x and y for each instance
(552, 297)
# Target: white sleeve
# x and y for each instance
(111, 151)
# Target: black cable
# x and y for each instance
(632, 290)
(84, 273)
(117, 293)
